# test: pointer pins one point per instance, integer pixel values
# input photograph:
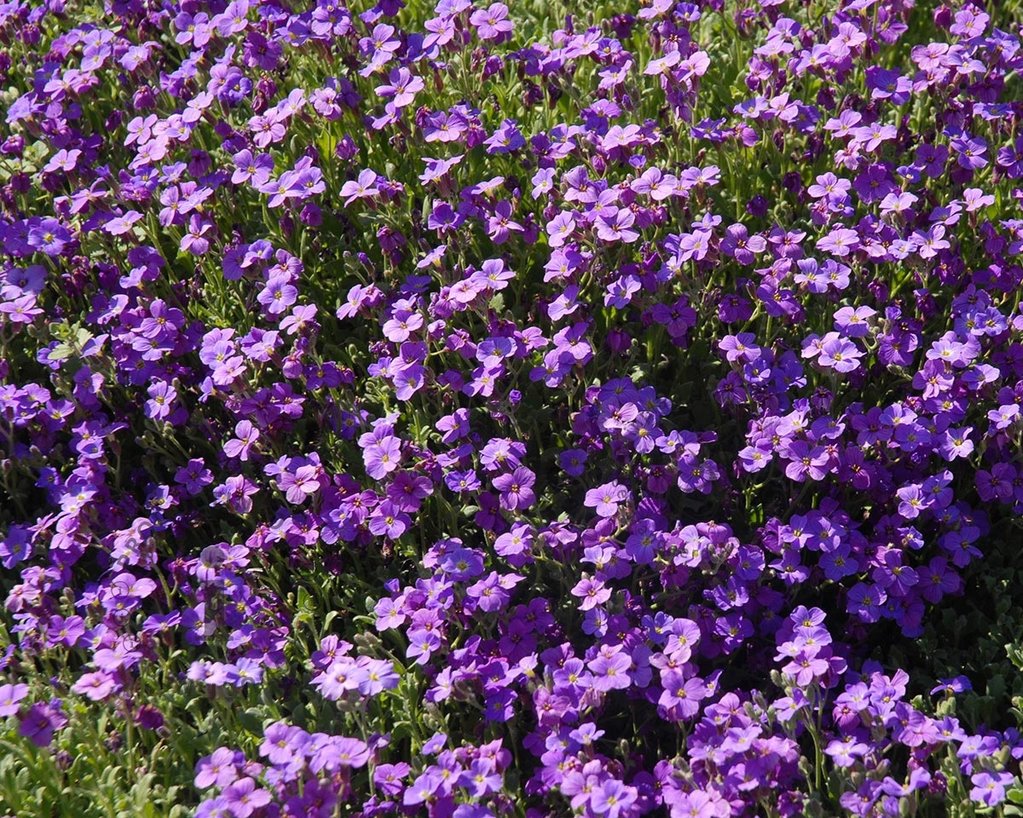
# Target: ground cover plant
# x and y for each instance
(542, 409)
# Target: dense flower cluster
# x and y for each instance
(503, 414)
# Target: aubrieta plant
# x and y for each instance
(553, 408)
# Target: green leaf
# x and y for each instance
(251, 721)
(61, 352)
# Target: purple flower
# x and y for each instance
(194, 476)
(592, 592)
(97, 686)
(352, 753)
(41, 720)
(866, 601)
(805, 460)
(680, 695)
(616, 226)
(507, 138)
(280, 743)
(560, 228)
(989, 787)
(241, 444)
(958, 684)
(611, 672)
(49, 237)
(402, 88)
(10, 696)
(389, 778)
(381, 457)
(340, 677)
(839, 242)
(254, 169)
(20, 310)
(196, 239)
(423, 788)
(697, 804)
(482, 778)
(161, 400)
(245, 796)
(845, 752)
(219, 769)
(970, 151)
(278, 295)
(613, 798)
(840, 354)
(492, 23)
(516, 489)
(738, 243)
(364, 187)
(379, 675)
(606, 499)
(389, 521)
